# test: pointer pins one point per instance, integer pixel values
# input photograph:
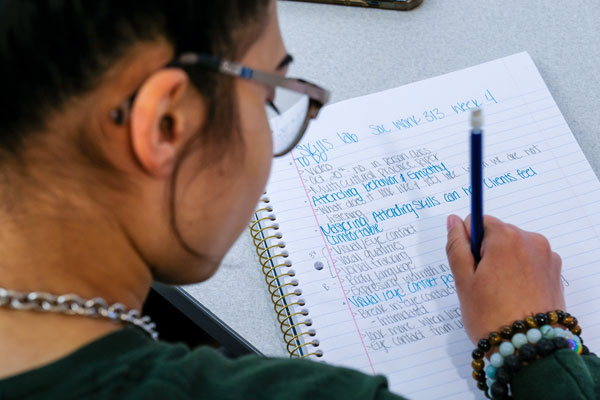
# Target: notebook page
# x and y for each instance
(362, 205)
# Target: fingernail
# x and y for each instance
(450, 222)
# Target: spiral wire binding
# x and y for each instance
(284, 290)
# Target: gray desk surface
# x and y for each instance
(356, 51)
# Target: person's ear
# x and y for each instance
(157, 121)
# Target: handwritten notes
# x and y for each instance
(362, 203)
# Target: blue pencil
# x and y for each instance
(476, 184)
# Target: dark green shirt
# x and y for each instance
(128, 365)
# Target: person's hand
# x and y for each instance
(518, 275)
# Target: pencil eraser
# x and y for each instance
(477, 119)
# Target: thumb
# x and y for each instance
(458, 249)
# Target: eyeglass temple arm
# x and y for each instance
(238, 70)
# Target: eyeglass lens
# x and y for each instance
(287, 125)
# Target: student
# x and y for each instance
(122, 162)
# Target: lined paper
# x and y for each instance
(362, 205)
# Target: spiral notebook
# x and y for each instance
(351, 230)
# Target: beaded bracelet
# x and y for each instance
(518, 328)
(504, 363)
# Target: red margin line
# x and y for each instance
(332, 262)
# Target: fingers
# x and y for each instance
(490, 223)
(556, 261)
(498, 236)
(458, 249)
(556, 265)
(493, 223)
(468, 225)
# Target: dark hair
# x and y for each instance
(54, 50)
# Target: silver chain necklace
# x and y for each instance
(72, 304)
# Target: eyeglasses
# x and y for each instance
(294, 103)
